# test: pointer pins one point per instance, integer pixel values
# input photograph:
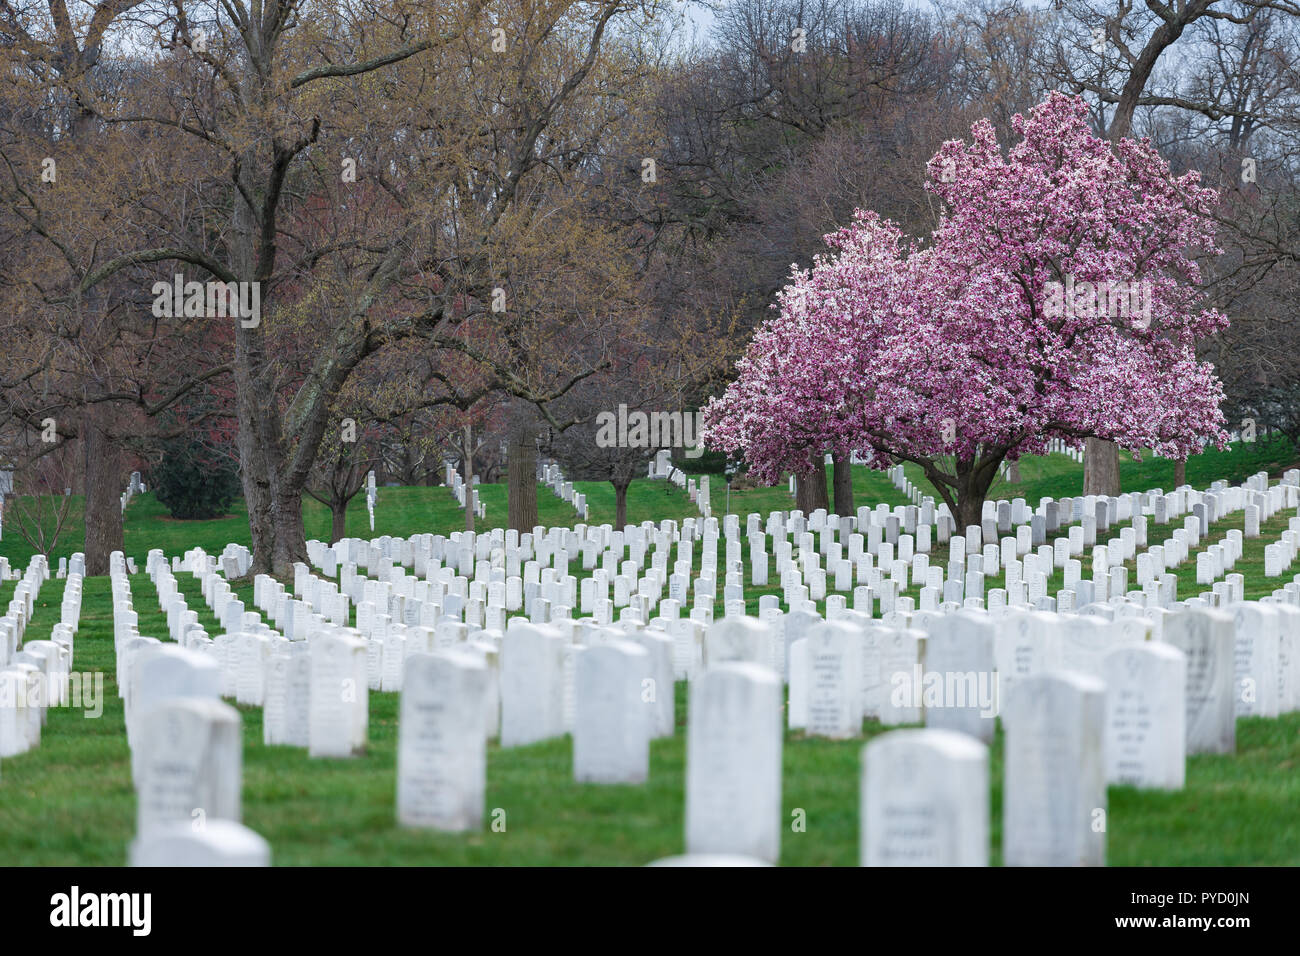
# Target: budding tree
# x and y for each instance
(1057, 298)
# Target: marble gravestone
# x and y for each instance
(165, 671)
(532, 684)
(1146, 713)
(339, 710)
(1207, 639)
(925, 800)
(959, 665)
(1054, 794)
(442, 741)
(286, 715)
(738, 639)
(612, 718)
(733, 763)
(659, 693)
(833, 676)
(707, 859)
(1256, 652)
(1025, 643)
(190, 763)
(901, 654)
(1085, 640)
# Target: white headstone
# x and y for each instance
(1054, 795)
(1207, 639)
(733, 763)
(442, 741)
(1146, 712)
(190, 763)
(216, 843)
(925, 800)
(612, 720)
(340, 695)
(532, 684)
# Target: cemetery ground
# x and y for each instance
(71, 801)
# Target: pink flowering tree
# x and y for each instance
(1059, 297)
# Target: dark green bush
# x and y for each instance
(193, 482)
(709, 463)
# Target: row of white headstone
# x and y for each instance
(186, 745)
(1084, 707)
(542, 698)
(235, 560)
(134, 487)
(835, 606)
(484, 592)
(1108, 574)
(76, 565)
(598, 755)
(35, 674)
(1095, 640)
(699, 494)
(551, 475)
(462, 494)
(1069, 732)
(372, 497)
(1082, 710)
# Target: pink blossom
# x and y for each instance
(955, 353)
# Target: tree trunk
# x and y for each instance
(290, 535)
(1101, 458)
(253, 471)
(273, 477)
(521, 485)
(338, 520)
(810, 493)
(843, 481)
(1101, 468)
(620, 501)
(970, 512)
(973, 483)
(1180, 472)
(252, 404)
(469, 477)
(103, 486)
(821, 496)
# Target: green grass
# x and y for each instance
(1059, 476)
(400, 511)
(70, 801)
(403, 511)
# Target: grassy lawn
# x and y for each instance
(1060, 476)
(70, 801)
